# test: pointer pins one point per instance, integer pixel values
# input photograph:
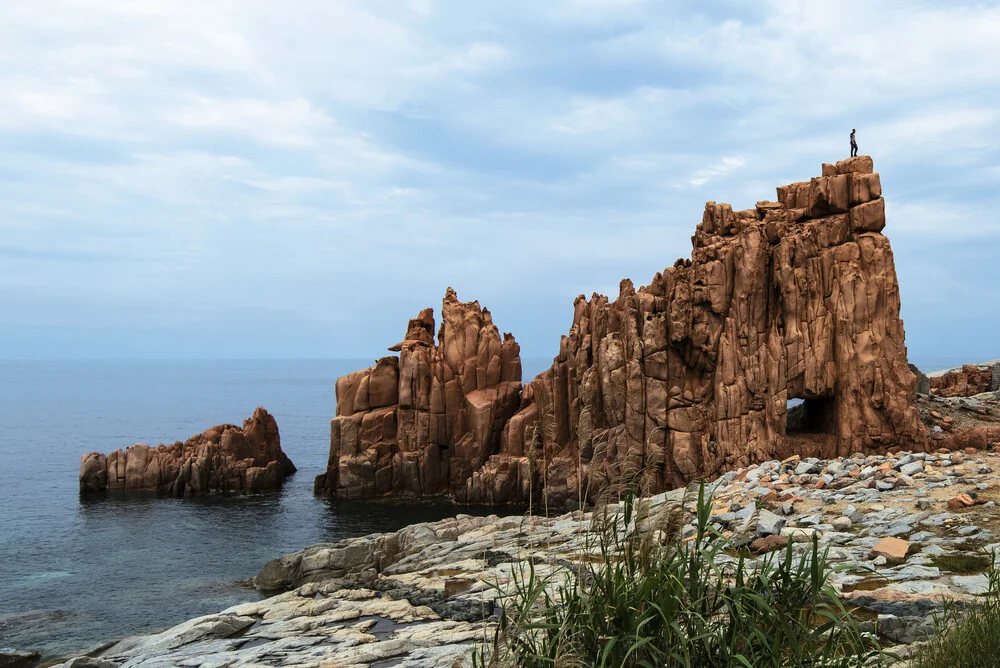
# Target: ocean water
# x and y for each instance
(75, 572)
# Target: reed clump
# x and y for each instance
(657, 597)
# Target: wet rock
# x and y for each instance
(15, 659)
(905, 630)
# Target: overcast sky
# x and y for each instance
(249, 178)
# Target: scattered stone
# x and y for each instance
(768, 544)
(798, 535)
(960, 501)
(842, 523)
(892, 549)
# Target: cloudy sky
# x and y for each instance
(249, 178)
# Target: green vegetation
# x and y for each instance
(970, 637)
(962, 564)
(655, 599)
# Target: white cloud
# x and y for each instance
(293, 123)
(724, 167)
(327, 156)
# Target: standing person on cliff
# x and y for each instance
(854, 144)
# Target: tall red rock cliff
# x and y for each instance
(688, 376)
(422, 423)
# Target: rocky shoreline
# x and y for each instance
(907, 530)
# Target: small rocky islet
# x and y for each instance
(225, 458)
(689, 377)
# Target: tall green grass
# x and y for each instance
(966, 638)
(654, 599)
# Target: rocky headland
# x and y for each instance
(688, 376)
(224, 458)
(907, 530)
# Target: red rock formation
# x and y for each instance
(969, 380)
(423, 422)
(224, 458)
(685, 377)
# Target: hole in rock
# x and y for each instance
(811, 427)
(811, 416)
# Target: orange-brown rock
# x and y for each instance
(685, 377)
(893, 549)
(961, 501)
(692, 374)
(423, 422)
(980, 437)
(225, 458)
(768, 543)
(969, 380)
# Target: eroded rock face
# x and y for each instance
(423, 422)
(692, 374)
(685, 377)
(225, 458)
(970, 380)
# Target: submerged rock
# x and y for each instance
(224, 458)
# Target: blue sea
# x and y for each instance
(75, 573)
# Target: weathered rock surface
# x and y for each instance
(692, 374)
(15, 659)
(225, 458)
(967, 381)
(421, 423)
(957, 423)
(688, 376)
(424, 595)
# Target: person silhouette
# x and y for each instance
(854, 144)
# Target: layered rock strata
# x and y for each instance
(423, 422)
(685, 377)
(225, 458)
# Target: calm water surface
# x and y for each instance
(76, 572)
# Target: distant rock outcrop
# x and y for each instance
(969, 380)
(225, 458)
(685, 377)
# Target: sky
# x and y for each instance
(254, 179)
